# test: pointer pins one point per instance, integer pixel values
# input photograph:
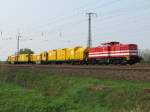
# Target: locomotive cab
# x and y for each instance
(133, 54)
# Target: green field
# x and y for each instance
(35, 91)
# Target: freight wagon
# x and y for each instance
(65, 55)
(35, 58)
(23, 58)
(12, 59)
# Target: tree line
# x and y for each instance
(145, 54)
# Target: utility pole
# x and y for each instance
(18, 45)
(89, 44)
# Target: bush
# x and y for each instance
(146, 55)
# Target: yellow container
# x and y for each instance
(44, 56)
(70, 53)
(13, 59)
(36, 58)
(80, 53)
(23, 58)
(61, 54)
(52, 55)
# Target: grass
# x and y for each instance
(3, 62)
(35, 91)
(15, 99)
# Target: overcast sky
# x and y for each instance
(50, 24)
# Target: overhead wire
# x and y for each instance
(95, 8)
(73, 15)
(122, 12)
(103, 5)
(60, 19)
(69, 23)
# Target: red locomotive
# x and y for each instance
(114, 53)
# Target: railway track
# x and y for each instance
(88, 67)
(136, 72)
